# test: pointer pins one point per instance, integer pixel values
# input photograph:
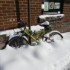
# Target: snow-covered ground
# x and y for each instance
(45, 56)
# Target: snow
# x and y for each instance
(44, 23)
(44, 56)
(12, 31)
(36, 28)
(47, 16)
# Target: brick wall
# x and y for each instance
(66, 11)
(35, 10)
(8, 18)
(7, 14)
(23, 10)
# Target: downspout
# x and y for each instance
(61, 5)
(17, 11)
(29, 16)
(18, 16)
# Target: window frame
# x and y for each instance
(54, 10)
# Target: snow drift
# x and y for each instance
(45, 56)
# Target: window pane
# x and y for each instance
(51, 6)
(46, 6)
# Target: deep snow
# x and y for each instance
(45, 56)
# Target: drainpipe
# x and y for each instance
(61, 5)
(29, 25)
(18, 16)
(17, 11)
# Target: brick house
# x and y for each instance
(8, 17)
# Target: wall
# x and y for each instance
(7, 14)
(35, 10)
(66, 11)
(8, 18)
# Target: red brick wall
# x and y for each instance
(8, 18)
(7, 14)
(23, 10)
(35, 10)
(66, 10)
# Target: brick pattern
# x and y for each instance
(7, 14)
(66, 20)
(23, 10)
(8, 18)
(56, 23)
(35, 11)
(66, 10)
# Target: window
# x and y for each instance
(52, 6)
